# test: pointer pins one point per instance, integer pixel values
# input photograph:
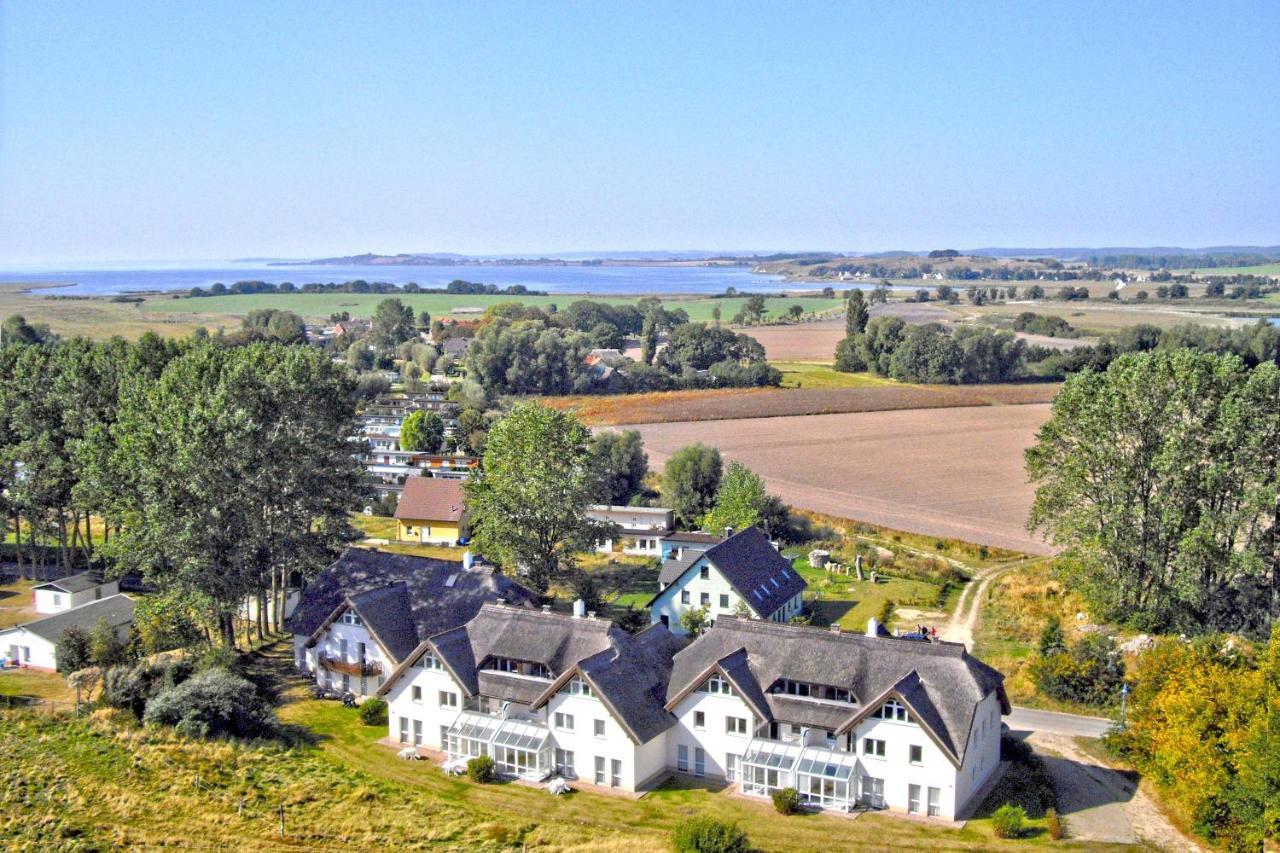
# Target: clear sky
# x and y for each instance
(165, 130)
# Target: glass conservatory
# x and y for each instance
(767, 766)
(518, 747)
(826, 778)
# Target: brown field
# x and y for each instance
(747, 403)
(91, 318)
(947, 472)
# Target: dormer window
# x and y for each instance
(892, 710)
(350, 617)
(430, 661)
(717, 684)
(578, 687)
(704, 573)
(519, 667)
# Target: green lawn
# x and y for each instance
(17, 605)
(1261, 269)
(317, 306)
(845, 601)
(806, 374)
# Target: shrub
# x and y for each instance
(73, 651)
(213, 703)
(373, 712)
(786, 800)
(480, 769)
(1091, 671)
(106, 647)
(1054, 824)
(131, 687)
(1008, 820)
(708, 835)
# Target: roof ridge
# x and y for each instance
(764, 626)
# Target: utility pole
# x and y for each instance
(1124, 695)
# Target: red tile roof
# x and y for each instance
(431, 498)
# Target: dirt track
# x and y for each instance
(953, 472)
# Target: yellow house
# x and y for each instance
(431, 510)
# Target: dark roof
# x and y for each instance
(74, 583)
(115, 609)
(940, 682)
(694, 537)
(629, 673)
(752, 566)
(431, 498)
(672, 569)
(402, 599)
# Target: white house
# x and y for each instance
(850, 721)
(35, 644)
(542, 693)
(744, 574)
(73, 591)
(360, 617)
(676, 546)
(641, 528)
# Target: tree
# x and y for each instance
(740, 500)
(529, 357)
(856, 314)
(1157, 478)
(621, 463)
(422, 431)
(695, 620)
(16, 330)
(273, 324)
(697, 346)
(424, 321)
(753, 310)
(106, 649)
(795, 311)
(715, 315)
(1052, 640)
(74, 650)
(649, 336)
(528, 501)
(393, 323)
(690, 480)
(848, 358)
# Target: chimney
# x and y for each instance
(579, 609)
(591, 614)
(546, 608)
(501, 601)
(835, 629)
(728, 531)
(467, 560)
(873, 628)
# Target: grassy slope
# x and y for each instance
(808, 374)
(17, 604)
(102, 781)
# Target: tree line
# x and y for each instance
(457, 286)
(216, 473)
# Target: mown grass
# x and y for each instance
(808, 374)
(17, 603)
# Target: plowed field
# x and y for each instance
(949, 472)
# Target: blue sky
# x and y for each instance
(219, 130)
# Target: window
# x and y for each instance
(448, 699)
(599, 769)
(735, 725)
(717, 684)
(350, 618)
(444, 737)
(564, 763)
(916, 754)
(724, 600)
(578, 687)
(731, 767)
(342, 648)
(598, 728)
(684, 597)
(873, 747)
(564, 721)
(705, 599)
(682, 758)
(913, 799)
(699, 762)
(935, 799)
(615, 773)
(417, 732)
(699, 720)
(704, 573)
(416, 694)
(346, 682)
(57, 599)
(404, 729)
(430, 661)
(891, 710)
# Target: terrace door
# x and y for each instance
(873, 792)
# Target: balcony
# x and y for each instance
(357, 668)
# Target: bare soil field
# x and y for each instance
(817, 341)
(775, 403)
(951, 472)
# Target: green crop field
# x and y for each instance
(1262, 269)
(318, 306)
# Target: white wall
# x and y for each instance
(897, 771)
(669, 602)
(637, 765)
(30, 649)
(713, 737)
(983, 755)
(433, 715)
(330, 644)
(44, 598)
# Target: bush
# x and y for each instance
(1008, 820)
(73, 650)
(786, 800)
(1054, 824)
(480, 769)
(131, 687)
(1091, 671)
(373, 712)
(213, 703)
(708, 835)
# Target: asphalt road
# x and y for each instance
(1052, 722)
